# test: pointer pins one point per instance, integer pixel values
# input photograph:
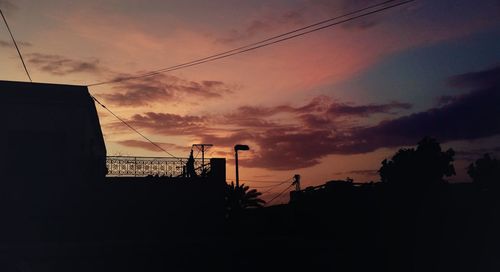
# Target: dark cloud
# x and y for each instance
(163, 88)
(303, 14)
(265, 24)
(470, 116)
(322, 106)
(446, 99)
(259, 111)
(251, 122)
(342, 110)
(473, 155)
(60, 65)
(10, 44)
(320, 131)
(322, 111)
(279, 149)
(481, 79)
(227, 141)
(318, 104)
(276, 145)
(132, 92)
(314, 120)
(348, 6)
(249, 31)
(362, 172)
(7, 5)
(255, 118)
(150, 147)
(260, 118)
(473, 115)
(288, 149)
(168, 124)
(361, 23)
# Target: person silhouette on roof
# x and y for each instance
(191, 173)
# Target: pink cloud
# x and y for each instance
(162, 88)
(150, 147)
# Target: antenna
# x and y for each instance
(202, 148)
(296, 182)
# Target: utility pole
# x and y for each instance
(202, 148)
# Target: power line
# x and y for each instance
(259, 186)
(279, 194)
(132, 128)
(15, 44)
(263, 43)
(275, 186)
(244, 49)
(154, 72)
(262, 181)
(224, 55)
(264, 186)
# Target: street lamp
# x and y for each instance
(236, 148)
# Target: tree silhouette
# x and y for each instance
(485, 172)
(240, 197)
(425, 165)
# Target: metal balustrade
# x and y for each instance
(127, 166)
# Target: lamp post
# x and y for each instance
(236, 148)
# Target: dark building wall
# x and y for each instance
(52, 185)
(49, 131)
(164, 207)
(57, 210)
(52, 147)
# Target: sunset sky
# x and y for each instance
(328, 105)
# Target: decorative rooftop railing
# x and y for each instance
(152, 166)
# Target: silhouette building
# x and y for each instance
(53, 189)
(49, 131)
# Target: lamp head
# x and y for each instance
(241, 147)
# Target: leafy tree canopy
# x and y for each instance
(425, 165)
(485, 172)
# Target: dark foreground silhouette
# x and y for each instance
(411, 221)
(59, 213)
